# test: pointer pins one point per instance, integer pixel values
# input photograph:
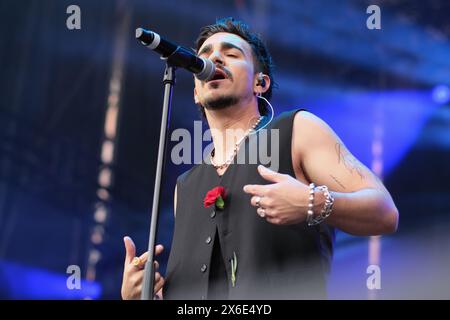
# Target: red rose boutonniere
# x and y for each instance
(215, 196)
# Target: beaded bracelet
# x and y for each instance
(310, 212)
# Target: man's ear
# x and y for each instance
(262, 83)
(196, 97)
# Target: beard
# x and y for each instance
(219, 103)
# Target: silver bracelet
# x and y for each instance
(327, 207)
(310, 212)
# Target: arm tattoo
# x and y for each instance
(348, 160)
(337, 181)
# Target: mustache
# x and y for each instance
(226, 71)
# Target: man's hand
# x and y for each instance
(283, 202)
(133, 274)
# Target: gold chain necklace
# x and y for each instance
(235, 149)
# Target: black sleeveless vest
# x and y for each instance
(273, 262)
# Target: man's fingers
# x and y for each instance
(159, 294)
(258, 201)
(144, 257)
(158, 249)
(256, 189)
(271, 175)
(158, 285)
(276, 221)
(130, 249)
(137, 278)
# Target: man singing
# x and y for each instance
(242, 230)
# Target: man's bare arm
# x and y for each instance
(362, 204)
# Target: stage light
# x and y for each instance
(111, 121)
(97, 235)
(107, 152)
(441, 94)
(100, 214)
(94, 256)
(103, 194)
(104, 178)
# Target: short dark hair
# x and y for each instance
(262, 58)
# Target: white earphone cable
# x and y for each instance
(271, 115)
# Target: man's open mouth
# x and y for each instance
(219, 75)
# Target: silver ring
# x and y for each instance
(258, 199)
(262, 212)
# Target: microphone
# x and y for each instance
(178, 56)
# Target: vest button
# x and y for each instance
(203, 268)
(213, 214)
(208, 240)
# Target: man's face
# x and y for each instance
(235, 75)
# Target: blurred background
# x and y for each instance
(80, 115)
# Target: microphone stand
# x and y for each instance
(149, 272)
